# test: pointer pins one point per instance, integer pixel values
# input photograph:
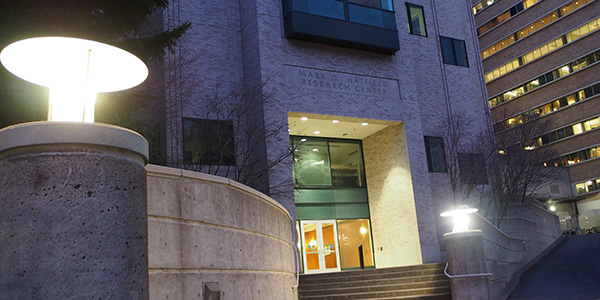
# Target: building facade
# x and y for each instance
(335, 108)
(540, 60)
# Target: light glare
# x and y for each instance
(460, 217)
(74, 70)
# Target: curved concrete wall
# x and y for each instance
(208, 229)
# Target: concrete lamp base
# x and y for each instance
(73, 212)
(469, 279)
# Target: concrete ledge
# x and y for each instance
(55, 133)
(209, 229)
(161, 171)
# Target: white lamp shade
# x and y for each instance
(74, 70)
(66, 62)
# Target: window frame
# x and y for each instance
(472, 168)
(410, 6)
(227, 151)
(429, 140)
(444, 40)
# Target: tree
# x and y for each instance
(125, 24)
(227, 135)
(520, 169)
(512, 163)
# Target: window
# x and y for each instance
(416, 20)
(208, 142)
(454, 51)
(472, 168)
(436, 156)
(361, 24)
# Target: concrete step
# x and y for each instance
(443, 296)
(359, 287)
(426, 282)
(394, 294)
(380, 271)
(366, 275)
(377, 281)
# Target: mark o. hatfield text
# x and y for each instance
(341, 82)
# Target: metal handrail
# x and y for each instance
(464, 275)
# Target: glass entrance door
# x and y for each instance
(320, 245)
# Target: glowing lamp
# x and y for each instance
(460, 217)
(74, 70)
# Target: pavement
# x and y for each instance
(570, 272)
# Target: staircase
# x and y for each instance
(423, 282)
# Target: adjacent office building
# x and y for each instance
(336, 109)
(541, 61)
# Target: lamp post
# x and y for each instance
(466, 257)
(73, 201)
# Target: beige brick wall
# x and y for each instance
(391, 199)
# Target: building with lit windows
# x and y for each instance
(541, 64)
(359, 90)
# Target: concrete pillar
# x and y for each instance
(466, 265)
(72, 212)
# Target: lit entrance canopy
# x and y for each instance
(74, 70)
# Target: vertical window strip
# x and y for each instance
(573, 66)
(565, 132)
(579, 156)
(503, 17)
(588, 186)
(550, 107)
(548, 47)
(482, 4)
(534, 26)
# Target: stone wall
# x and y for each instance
(208, 229)
(534, 224)
(524, 236)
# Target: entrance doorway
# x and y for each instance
(319, 241)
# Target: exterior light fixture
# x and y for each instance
(335, 121)
(303, 140)
(316, 132)
(304, 119)
(552, 208)
(364, 124)
(74, 70)
(460, 217)
(363, 230)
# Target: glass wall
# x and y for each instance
(330, 184)
(329, 179)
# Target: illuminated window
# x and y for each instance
(591, 124)
(416, 20)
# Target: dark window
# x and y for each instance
(208, 142)
(416, 20)
(436, 156)
(472, 168)
(454, 51)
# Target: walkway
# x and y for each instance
(570, 272)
